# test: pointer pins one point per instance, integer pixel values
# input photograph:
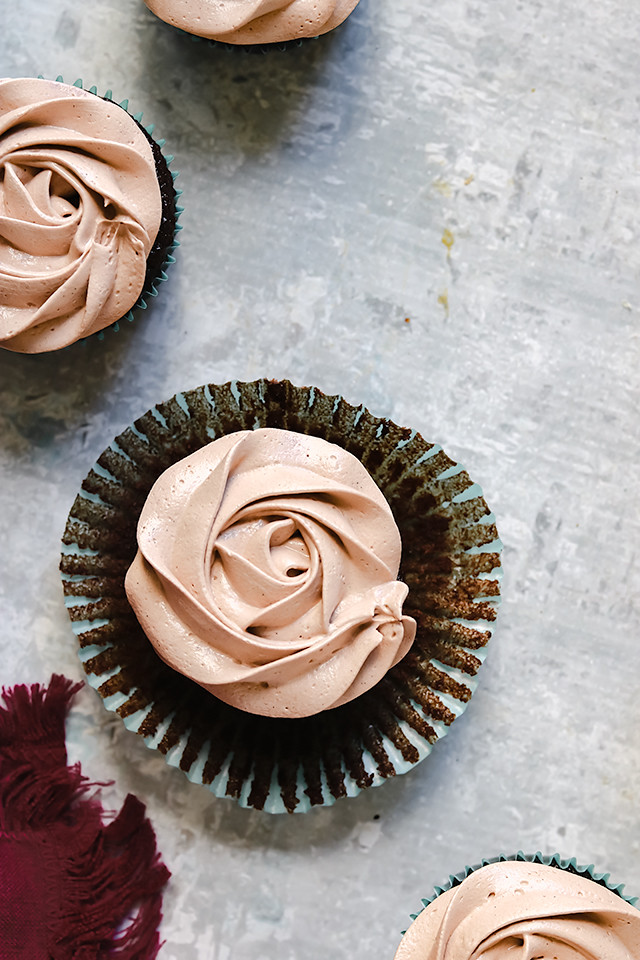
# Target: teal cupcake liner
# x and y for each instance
(161, 255)
(451, 563)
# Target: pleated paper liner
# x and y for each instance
(451, 563)
(554, 860)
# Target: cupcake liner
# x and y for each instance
(451, 563)
(161, 254)
(553, 860)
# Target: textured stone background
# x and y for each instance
(433, 211)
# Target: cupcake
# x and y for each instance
(525, 907)
(253, 22)
(89, 213)
(222, 731)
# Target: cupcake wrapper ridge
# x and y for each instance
(451, 563)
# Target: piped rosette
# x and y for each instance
(242, 22)
(87, 213)
(525, 908)
(266, 572)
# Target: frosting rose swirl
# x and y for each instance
(253, 21)
(80, 208)
(266, 572)
(524, 911)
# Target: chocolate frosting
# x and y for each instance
(80, 208)
(266, 572)
(521, 911)
(253, 21)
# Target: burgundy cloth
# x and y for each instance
(71, 887)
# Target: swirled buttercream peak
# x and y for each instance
(266, 572)
(80, 208)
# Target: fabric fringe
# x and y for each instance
(103, 882)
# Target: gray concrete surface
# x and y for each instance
(435, 212)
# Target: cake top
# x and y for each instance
(517, 910)
(253, 21)
(266, 572)
(81, 208)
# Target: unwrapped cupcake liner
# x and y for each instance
(451, 563)
(161, 254)
(588, 872)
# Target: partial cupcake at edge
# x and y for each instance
(315, 585)
(89, 213)
(261, 23)
(525, 907)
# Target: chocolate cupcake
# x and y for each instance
(89, 213)
(525, 906)
(254, 24)
(450, 563)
